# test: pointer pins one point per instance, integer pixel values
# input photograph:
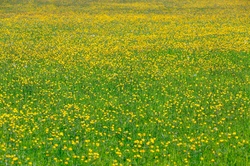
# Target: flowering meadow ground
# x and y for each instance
(125, 82)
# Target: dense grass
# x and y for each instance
(124, 82)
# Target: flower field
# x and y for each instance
(125, 82)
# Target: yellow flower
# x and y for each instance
(15, 158)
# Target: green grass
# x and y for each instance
(124, 82)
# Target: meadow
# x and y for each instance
(125, 82)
